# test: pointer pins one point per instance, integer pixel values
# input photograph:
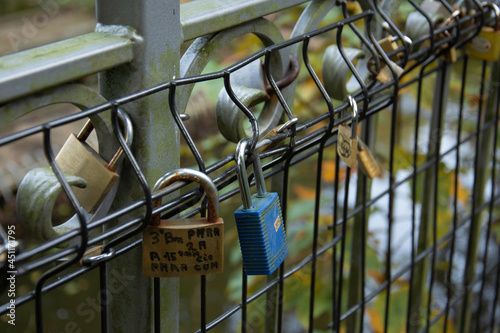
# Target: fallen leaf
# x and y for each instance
(376, 321)
(303, 192)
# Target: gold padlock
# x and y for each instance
(368, 164)
(184, 247)
(486, 45)
(450, 52)
(275, 131)
(388, 44)
(347, 139)
(385, 75)
(79, 159)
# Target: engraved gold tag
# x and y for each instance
(347, 147)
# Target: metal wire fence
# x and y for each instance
(415, 248)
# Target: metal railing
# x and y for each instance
(445, 278)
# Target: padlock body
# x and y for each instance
(347, 146)
(388, 45)
(262, 235)
(183, 247)
(486, 45)
(79, 159)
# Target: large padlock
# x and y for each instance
(259, 221)
(184, 247)
(77, 158)
(486, 45)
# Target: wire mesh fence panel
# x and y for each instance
(371, 132)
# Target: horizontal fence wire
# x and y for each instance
(354, 199)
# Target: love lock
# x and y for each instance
(347, 140)
(184, 247)
(335, 71)
(251, 87)
(417, 25)
(486, 45)
(81, 167)
(385, 75)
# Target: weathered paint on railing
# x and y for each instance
(50, 65)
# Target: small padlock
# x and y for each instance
(367, 162)
(184, 247)
(275, 131)
(77, 158)
(259, 221)
(486, 45)
(388, 44)
(449, 51)
(347, 140)
(385, 75)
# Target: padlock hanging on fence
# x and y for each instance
(347, 137)
(259, 221)
(486, 45)
(83, 168)
(385, 75)
(184, 247)
(77, 158)
(417, 25)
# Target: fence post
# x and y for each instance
(156, 147)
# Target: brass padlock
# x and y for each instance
(449, 51)
(79, 159)
(368, 164)
(486, 45)
(385, 75)
(275, 131)
(347, 140)
(417, 26)
(184, 247)
(388, 44)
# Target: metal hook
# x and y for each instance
(336, 68)
(250, 87)
(288, 125)
(99, 258)
(496, 10)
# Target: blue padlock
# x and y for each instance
(259, 222)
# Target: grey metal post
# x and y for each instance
(156, 146)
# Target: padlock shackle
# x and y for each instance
(189, 175)
(354, 124)
(260, 181)
(129, 136)
(125, 121)
(85, 131)
(241, 172)
(496, 10)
